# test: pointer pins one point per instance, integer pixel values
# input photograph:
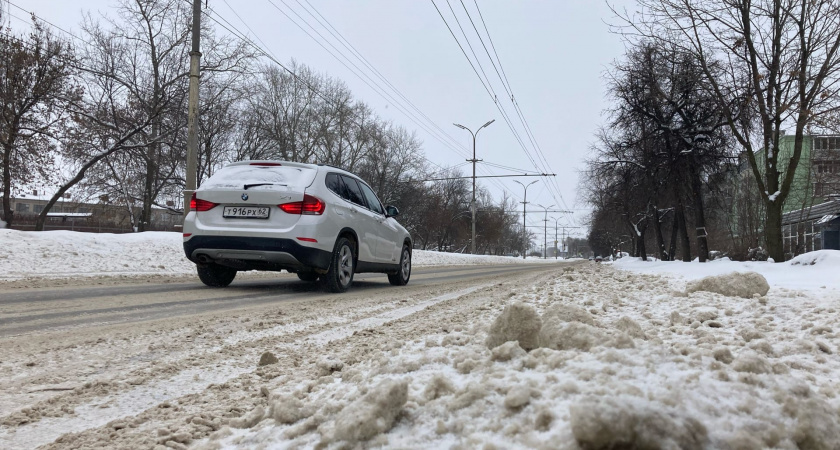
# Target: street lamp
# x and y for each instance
(545, 229)
(524, 204)
(473, 161)
(556, 219)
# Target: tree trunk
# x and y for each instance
(640, 243)
(151, 174)
(672, 244)
(773, 231)
(657, 234)
(699, 215)
(8, 214)
(685, 245)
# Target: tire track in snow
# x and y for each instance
(190, 381)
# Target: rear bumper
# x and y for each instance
(248, 253)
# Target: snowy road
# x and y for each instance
(78, 358)
(627, 355)
(37, 310)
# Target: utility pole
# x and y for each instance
(192, 108)
(555, 236)
(473, 161)
(545, 230)
(524, 205)
(563, 242)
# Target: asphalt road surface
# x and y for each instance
(26, 311)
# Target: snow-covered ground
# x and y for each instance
(625, 355)
(60, 254)
(623, 360)
(814, 271)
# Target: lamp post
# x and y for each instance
(556, 219)
(473, 161)
(524, 205)
(545, 230)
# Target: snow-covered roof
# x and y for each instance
(826, 219)
(816, 212)
(64, 214)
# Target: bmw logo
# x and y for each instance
(244, 196)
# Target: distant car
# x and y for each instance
(318, 221)
(592, 258)
(598, 258)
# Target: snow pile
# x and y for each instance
(736, 284)
(627, 422)
(821, 257)
(518, 322)
(68, 254)
(621, 361)
(372, 414)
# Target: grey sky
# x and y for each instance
(554, 54)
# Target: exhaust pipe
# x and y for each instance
(204, 259)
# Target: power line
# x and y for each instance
(355, 52)
(483, 176)
(363, 75)
(361, 58)
(45, 21)
(234, 31)
(493, 46)
(274, 59)
(506, 84)
(347, 44)
(488, 89)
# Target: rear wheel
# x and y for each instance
(401, 277)
(214, 275)
(308, 276)
(340, 275)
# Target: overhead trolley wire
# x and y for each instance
(230, 28)
(509, 90)
(355, 52)
(347, 44)
(489, 90)
(387, 96)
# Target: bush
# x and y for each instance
(757, 254)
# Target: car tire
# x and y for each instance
(339, 277)
(401, 277)
(308, 276)
(214, 275)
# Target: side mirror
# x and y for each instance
(391, 211)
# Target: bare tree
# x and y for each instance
(770, 64)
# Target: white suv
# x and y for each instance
(315, 220)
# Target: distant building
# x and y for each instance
(85, 215)
(817, 176)
(814, 228)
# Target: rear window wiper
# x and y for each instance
(247, 186)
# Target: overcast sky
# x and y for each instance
(553, 53)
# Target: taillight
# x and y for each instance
(197, 204)
(266, 164)
(310, 206)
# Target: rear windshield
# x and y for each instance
(236, 177)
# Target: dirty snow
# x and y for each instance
(624, 361)
(619, 355)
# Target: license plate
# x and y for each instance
(246, 212)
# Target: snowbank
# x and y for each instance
(813, 271)
(66, 254)
(623, 362)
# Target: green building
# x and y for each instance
(812, 209)
(817, 176)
